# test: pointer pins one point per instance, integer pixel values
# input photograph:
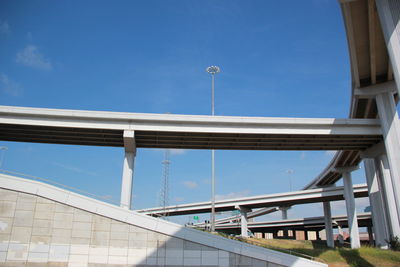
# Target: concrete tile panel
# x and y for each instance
(100, 223)
(23, 197)
(59, 253)
(3, 256)
(119, 227)
(21, 234)
(223, 254)
(84, 226)
(47, 215)
(117, 259)
(63, 208)
(80, 241)
(174, 243)
(63, 220)
(100, 238)
(192, 261)
(8, 195)
(5, 225)
(39, 248)
(79, 249)
(44, 200)
(209, 257)
(161, 252)
(136, 229)
(76, 264)
(14, 263)
(137, 252)
(42, 231)
(98, 260)
(82, 216)
(4, 246)
(42, 223)
(187, 245)
(38, 239)
(118, 251)
(81, 233)
(98, 250)
(119, 243)
(5, 237)
(38, 257)
(23, 218)
(78, 258)
(119, 235)
(47, 207)
(177, 261)
(25, 205)
(192, 253)
(151, 261)
(223, 262)
(174, 253)
(17, 252)
(7, 209)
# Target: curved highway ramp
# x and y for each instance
(41, 223)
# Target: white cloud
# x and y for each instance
(177, 151)
(190, 184)
(231, 195)
(179, 199)
(31, 57)
(4, 27)
(8, 86)
(74, 169)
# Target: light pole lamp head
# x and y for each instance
(213, 70)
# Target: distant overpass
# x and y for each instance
(311, 223)
(272, 200)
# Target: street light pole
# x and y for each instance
(212, 70)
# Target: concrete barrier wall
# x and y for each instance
(38, 231)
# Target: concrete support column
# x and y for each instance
(243, 220)
(387, 11)
(350, 205)
(391, 133)
(340, 235)
(284, 212)
(375, 193)
(388, 196)
(328, 224)
(127, 173)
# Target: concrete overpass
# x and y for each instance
(273, 200)
(100, 128)
(311, 223)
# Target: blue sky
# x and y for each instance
(278, 59)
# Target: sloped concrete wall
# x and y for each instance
(38, 231)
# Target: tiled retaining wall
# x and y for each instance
(35, 231)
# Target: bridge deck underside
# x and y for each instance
(186, 140)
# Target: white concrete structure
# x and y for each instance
(272, 200)
(350, 206)
(41, 223)
(127, 174)
(243, 220)
(328, 224)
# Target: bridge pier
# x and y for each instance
(389, 195)
(244, 230)
(328, 224)
(375, 193)
(391, 133)
(128, 167)
(350, 205)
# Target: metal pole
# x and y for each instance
(212, 164)
(212, 70)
